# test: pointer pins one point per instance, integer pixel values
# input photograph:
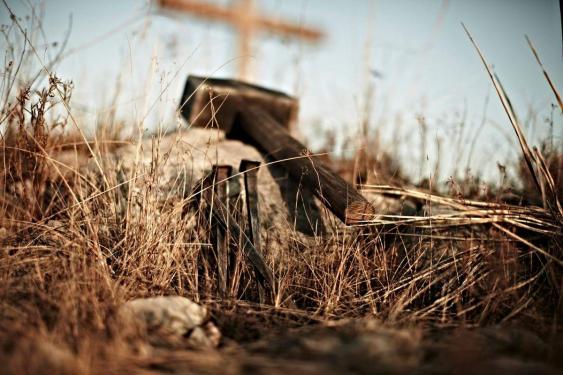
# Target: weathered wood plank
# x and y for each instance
(338, 195)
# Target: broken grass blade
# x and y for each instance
(546, 75)
(528, 156)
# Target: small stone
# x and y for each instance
(172, 321)
(3, 233)
(55, 224)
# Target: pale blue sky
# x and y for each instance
(428, 66)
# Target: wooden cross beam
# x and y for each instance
(243, 16)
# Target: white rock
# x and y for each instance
(3, 233)
(172, 321)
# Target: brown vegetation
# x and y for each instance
(80, 234)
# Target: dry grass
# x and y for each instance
(77, 242)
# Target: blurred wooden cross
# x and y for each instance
(243, 16)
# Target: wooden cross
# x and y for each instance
(243, 16)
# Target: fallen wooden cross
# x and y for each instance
(261, 117)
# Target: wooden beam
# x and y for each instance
(337, 195)
(233, 17)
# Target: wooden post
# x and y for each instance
(221, 236)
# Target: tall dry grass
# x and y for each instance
(76, 243)
(80, 234)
